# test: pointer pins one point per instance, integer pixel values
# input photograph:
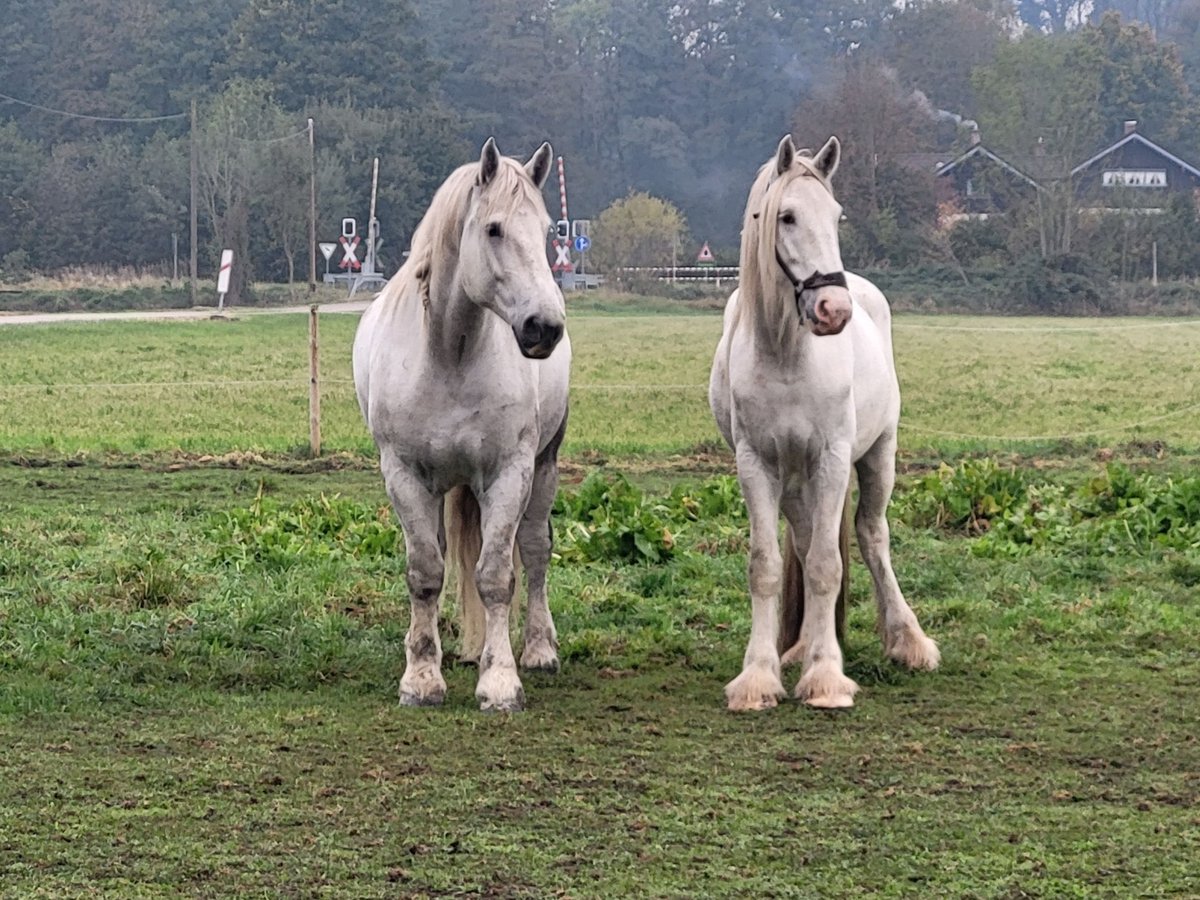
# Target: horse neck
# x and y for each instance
(775, 325)
(455, 324)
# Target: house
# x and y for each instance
(1133, 172)
(982, 182)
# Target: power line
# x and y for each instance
(287, 137)
(73, 115)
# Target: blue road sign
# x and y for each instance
(582, 243)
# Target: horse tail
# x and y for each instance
(792, 605)
(464, 543)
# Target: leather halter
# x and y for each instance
(816, 280)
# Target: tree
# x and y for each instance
(232, 146)
(889, 205)
(1101, 75)
(638, 230)
(934, 47)
(333, 50)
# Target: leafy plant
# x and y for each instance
(966, 497)
(280, 535)
(608, 519)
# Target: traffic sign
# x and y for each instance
(705, 256)
(327, 249)
(562, 258)
(582, 243)
(350, 258)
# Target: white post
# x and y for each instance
(223, 277)
(1154, 263)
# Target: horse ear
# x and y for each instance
(827, 158)
(785, 155)
(538, 166)
(489, 161)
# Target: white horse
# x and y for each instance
(804, 385)
(461, 368)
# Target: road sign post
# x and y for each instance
(223, 278)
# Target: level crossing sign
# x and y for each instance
(350, 258)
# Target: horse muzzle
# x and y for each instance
(537, 337)
(829, 312)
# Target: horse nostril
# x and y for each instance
(538, 333)
(551, 332)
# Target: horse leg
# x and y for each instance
(823, 684)
(499, 687)
(420, 514)
(534, 538)
(903, 639)
(800, 534)
(759, 685)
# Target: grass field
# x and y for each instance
(211, 386)
(199, 657)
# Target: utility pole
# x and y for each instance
(312, 210)
(192, 204)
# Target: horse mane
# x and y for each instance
(764, 293)
(433, 252)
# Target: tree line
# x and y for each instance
(679, 101)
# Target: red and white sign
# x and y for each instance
(705, 255)
(223, 272)
(562, 258)
(350, 253)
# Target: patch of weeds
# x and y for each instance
(280, 535)
(150, 580)
(963, 498)
(609, 519)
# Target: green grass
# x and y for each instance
(639, 385)
(199, 657)
(176, 723)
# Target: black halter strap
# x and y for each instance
(816, 280)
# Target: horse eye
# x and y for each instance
(494, 230)
(788, 219)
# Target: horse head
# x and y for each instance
(502, 249)
(804, 220)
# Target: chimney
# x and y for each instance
(1130, 127)
(975, 137)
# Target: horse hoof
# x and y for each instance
(826, 689)
(754, 690)
(408, 698)
(511, 705)
(540, 661)
(911, 648)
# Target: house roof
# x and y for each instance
(1134, 136)
(980, 150)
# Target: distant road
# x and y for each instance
(200, 312)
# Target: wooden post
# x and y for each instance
(314, 385)
(312, 210)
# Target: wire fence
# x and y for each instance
(698, 391)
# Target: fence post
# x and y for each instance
(314, 385)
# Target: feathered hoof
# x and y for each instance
(499, 690)
(427, 689)
(912, 648)
(754, 689)
(825, 687)
(540, 658)
(510, 705)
